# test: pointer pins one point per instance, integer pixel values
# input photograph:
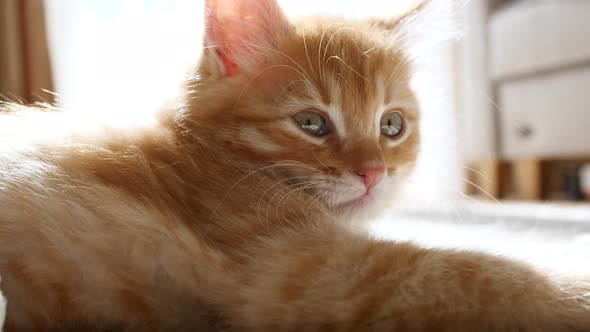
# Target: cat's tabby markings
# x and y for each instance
(232, 212)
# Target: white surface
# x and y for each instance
(534, 35)
(555, 106)
(552, 237)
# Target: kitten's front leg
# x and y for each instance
(330, 280)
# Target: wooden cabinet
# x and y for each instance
(546, 116)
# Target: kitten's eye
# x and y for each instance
(392, 124)
(313, 123)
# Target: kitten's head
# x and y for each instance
(325, 102)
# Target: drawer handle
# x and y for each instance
(524, 131)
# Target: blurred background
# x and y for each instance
(507, 107)
(524, 87)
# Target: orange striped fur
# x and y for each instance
(227, 216)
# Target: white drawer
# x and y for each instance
(546, 116)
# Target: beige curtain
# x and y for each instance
(25, 70)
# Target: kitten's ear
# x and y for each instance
(401, 20)
(423, 26)
(239, 33)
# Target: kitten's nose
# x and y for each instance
(370, 175)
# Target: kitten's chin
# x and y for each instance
(378, 203)
(365, 208)
(357, 203)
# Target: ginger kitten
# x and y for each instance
(229, 213)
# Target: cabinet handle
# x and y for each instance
(524, 131)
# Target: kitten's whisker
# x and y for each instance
(347, 66)
(274, 185)
(322, 195)
(303, 165)
(252, 173)
(366, 53)
(288, 57)
(400, 66)
(260, 73)
(288, 187)
(332, 38)
(310, 199)
(483, 176)
(16, 100)
(281, 206)
(285, 198)
(481, 93)
(318, 159)
(287, 86)
(320, 50)
(345, 80)
(307, 54)
(331, 208)
(476, 186)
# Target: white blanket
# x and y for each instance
(550, 236)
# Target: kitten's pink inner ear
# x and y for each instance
(231, 68)
(238, 29)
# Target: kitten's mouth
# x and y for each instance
(360, 201)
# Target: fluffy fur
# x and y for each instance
(227, 216)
